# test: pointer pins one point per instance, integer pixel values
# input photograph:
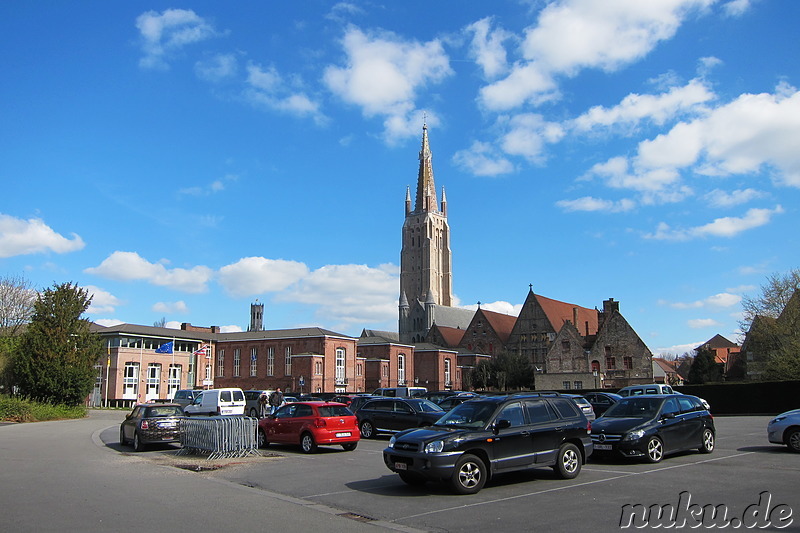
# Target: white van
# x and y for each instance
(217, 402)
(653, 388)
(400, 392)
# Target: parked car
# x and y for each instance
(251, 406)
(439, 395)
(217, 402)
(347, 399)
(396, 414)
(151, 423)
(310, 424)
(400, 392)
(601, 401)
(652, 426)
(358, 401)
(583, 404)
(184, 397)
(785, 429)
(451, 401)
(652, 388)
(489, 435)
(290, 399)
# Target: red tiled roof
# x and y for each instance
(501, 324)
(559, 312)
(451, 336)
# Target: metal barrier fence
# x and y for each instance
(219, 436)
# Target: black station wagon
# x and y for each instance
(490, 435)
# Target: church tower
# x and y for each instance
(426, 273)
(256, 317)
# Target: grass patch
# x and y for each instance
(20, 410)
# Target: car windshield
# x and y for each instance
(154, 412)
(473, 414)
(426, 406)
(634, 407)
(334, 410)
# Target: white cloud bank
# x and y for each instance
(32, 236)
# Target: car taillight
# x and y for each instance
(319, 423)
(588, 426)
(145, 424)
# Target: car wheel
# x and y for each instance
(307, 443)
(707, 445)
(122, 440)
(367, 430)
(793, 440)
(350, 446)
(410, 478)
(568, 461)
(655, 450)
(137, 442)
(469, 475)
(262, 439)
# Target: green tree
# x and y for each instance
(54, 361)
(705, 368)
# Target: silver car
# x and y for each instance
(785, 429)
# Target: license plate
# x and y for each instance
(602, 447)
(400, 466)
(343, 434)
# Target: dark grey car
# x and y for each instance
(396, 414)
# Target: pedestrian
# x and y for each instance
(263, 404)
(276, 399)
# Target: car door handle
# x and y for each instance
(526, 433)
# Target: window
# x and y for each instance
(513, 413)
(565, 385)
(174, 380)
(130, 381)
(565, 346)
(611, 362)
(385, 370)
(447, 372)
(340, 368)
(153, 380)
(595, 366)
(359, 369)
(220, 363)
(627, 363)
(237, 362)
(287, 362)
(401, 369)
(271, 361)
(318, 368)
(578, 384)
(253, 362)
(208, 372)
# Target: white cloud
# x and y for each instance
(571, 35)
(170, 307)
(130, 266)
(23, 237)
(230, 329)
(736, 8)
(717, 301)
(657, 108)
(383, 74)
(482, 160)
(700, 323)
(252, 276)
(678, 349)
(588, 203)
(487, 47)
(720, 227)
(351, 294)
(267, 88)
(103, 302)
(217, 67)
(214, 187)
(108, 322)
(168, 32)
(719, 198)
(527, 135)
(506, 308)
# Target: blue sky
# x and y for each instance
(184, 160)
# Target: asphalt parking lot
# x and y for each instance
(747, 475)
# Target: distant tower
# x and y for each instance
(426, 271)
(256, 317)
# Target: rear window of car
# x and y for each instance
(238, 396)
(565, 408)
(538, 411)
(334, 410)
(426, 406)
(380, 405)
(153, 412)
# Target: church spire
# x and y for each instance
(426, 188)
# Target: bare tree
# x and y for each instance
(772, 300)
(17, 297)
(161, 323)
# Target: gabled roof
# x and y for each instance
(718, 341)
(559, 312)
(500, 323)
(666, 365)
(389, 335)
(451, 336)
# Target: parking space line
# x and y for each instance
(566, 487)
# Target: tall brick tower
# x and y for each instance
(426, 272)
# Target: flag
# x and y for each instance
(165, 348)
(203, 350)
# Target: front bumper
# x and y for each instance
(432, 466)
(632, 448)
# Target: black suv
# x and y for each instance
(395, 414)
(490, 435)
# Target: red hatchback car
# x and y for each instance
(310, 424)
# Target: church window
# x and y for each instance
(627, 363)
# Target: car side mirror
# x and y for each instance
(501, 424)
(667, 416)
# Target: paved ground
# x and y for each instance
(77, 472)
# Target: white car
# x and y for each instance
(785, 429)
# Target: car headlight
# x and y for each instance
(434, 447)
(777, 419)
(392, 441)
(634, 435)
